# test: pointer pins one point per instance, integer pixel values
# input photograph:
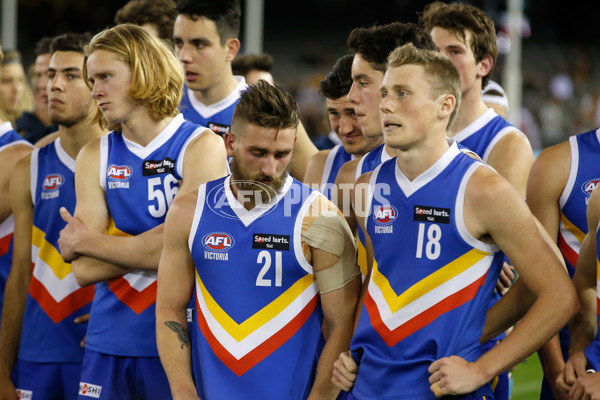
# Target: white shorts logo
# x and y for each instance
(24, 394)
(89, 390)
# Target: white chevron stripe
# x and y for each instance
(7, 227)
(570, 238)
(58, 288)
(140, 279)
(430, 299)
(260, 335)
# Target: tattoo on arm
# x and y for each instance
(183, 334)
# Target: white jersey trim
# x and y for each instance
(180, 158)
(103, 161)
(5, 128)
(200, 201)
(245, 216)
(208, 111)
(298, 252)
(572, 172)
(460, 216)
(327, 168)
(476, 125)
(63, 156)
(144, 151)
(33, 173)
(409, 187)
(503, 132)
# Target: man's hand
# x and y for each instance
(344, 371)
(586, 387)
(80, 320)
(7, 390)
(507, 275)
(70, 235)
(453, 375)
(575, 367)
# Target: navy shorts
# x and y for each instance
(51, 381)
(105, 376)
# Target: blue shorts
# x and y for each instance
(349, 396)
(502, 386)
(51, 381)
(105, 376)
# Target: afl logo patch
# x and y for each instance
(385, 214)
(53, 181)
(218, 241)
(119, 173)
(589, 186)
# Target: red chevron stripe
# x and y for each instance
(58, 311)
(570, 255)
(137, 301)
(243, 365)
(5, 244)
(426, 317)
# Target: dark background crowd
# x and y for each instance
(560, 52)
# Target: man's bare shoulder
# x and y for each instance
(315, 167)
(181, 211)
(347, 173)
(552, 166)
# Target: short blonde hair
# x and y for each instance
(157, 76)
(442, 74)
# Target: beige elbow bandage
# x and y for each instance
(331, 233)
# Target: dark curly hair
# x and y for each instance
(338, 81)
(375, 44)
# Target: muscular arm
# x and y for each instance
(332, 253)
(583, 326)
(91, 212)
(547, 180)
(9, 157)
(304, 149)
(489, 200)
(315, 168)
(512, 157)
(344, 182)
(204, 160)
(175, 285)
(17, 285)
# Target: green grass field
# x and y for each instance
(527, 379)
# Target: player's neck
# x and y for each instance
(73, 138)
(420, 157)
(213, 94)
(142, 129)
(471, 108)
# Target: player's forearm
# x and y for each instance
(89, 270)
(13, 310)
(338, 342)
(508, 311)
(543, 320)
(582, 328)
(130, 252)
(174, 348)
(551, 359)
(5, 209)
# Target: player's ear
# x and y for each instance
(447, 105)
(233, 46)
(229, 140)
(485, 66)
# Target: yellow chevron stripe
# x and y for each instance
(427, 284)
(579, 235)
(267, 313)
(49, 254)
